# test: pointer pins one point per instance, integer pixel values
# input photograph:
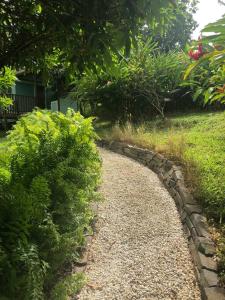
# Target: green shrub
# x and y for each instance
(206, 75)
(71, 285)
(49, 170)
(135, 88)
(7, 80)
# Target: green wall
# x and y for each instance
(24, 88)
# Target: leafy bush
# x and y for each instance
(68, 287)
(134, 88)
(49, 169)
(206, 81)
(7, 79)
(206, 75)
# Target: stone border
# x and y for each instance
(195, 225)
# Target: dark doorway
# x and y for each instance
(40, 96)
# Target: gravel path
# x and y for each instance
(139, 250)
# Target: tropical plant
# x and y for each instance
(7, 79)
(135, 88)
(207, 82)
(206, 75)
(49, 169)
(177, 32)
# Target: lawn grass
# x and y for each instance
(197, 142)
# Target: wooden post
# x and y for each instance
(58, 104)
(35, 90)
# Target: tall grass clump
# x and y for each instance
(162, 137)
(49, 171)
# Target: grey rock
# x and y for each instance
(183, 216)
(130, 151)
(185, 195)
(178, 199)
(206, 262)
(189, 223)
(214, 293)
(171, 190)
(191, 209)
(172, 183)
(168, 165)
(141, 161)
(171, 172)
(167, 180)
(200, 225)
(161, 176)
(116, 147)
(210, 278)
(178, 175)
(152, 165)
(148, 155)
(159, 158)
(187, 232)
(205, 246)
(119, 150)
(158, 164)
(194, 233)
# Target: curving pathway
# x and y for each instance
(139, 251)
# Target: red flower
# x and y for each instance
(196, 54)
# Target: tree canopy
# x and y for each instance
(179, 30)
(85, 32)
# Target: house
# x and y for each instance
(64, 103)
(27, 93)
(30, 92)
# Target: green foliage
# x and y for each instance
(206, 80)
(7, 79)
(136, 87)
(50, 169)
(178, 30)
(70, 286)
(85, 32)
(206, 76)
(5, 101)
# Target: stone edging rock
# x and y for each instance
(195, 226)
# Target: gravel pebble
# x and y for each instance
(139, 251)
